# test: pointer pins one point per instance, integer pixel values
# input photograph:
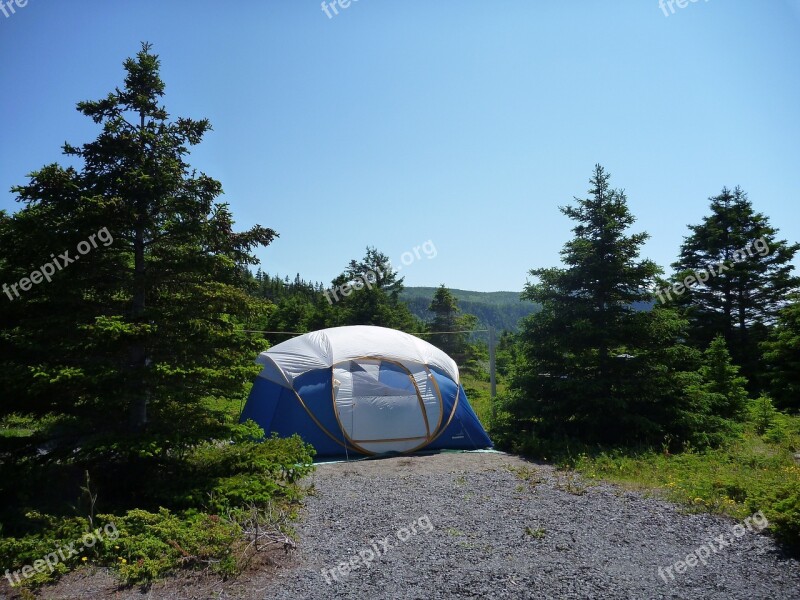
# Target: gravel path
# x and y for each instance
(467, 526)
(483, 525)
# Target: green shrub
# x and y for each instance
(219, 476)
(762, 414)
(52, 533)
(184, 513)
(140, 546)
(780, 503)
(151, 545)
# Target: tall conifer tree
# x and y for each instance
(139, 332)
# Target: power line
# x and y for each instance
(417, 334)
(274, 332)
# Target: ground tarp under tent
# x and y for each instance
(363, 390)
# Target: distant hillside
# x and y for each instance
(503, 310)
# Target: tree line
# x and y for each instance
(592, 366)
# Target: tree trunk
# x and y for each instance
(138, 353)
(138, 392)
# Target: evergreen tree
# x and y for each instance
(782, 355)
(718, 395)
(743, 291)
(448, 318)
(144, 329)
(721, 379)
(593, 367)
(368, 293)
(507, 355)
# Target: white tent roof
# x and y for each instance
(324, 348)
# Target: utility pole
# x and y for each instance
(492, 377)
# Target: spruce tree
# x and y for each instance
(141, 332)
(743, 291)
(368, 293)
(593, 367)
(448, 318)
(721, 379)
(782, 356)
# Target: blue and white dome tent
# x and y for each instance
(363, 390)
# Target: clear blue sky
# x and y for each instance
(462, 122)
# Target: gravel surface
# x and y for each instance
(483, 525)
(467, 526)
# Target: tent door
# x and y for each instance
(384, 406)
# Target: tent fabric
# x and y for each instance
(363, 390)
(322, 349)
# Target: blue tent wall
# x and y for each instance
(276, 409)
(465, 431)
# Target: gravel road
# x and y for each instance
(466, 525)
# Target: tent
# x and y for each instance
(363, 390)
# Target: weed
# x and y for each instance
(537, 533)
(571, 482)
(527, 474)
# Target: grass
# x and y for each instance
(537, 533)
(569, 481)
(750, 474)
(479, 394)
(15, 425)
(528, 474)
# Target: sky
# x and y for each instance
(445, 133)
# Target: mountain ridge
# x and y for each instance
(502, 309)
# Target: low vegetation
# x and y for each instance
(758, 470)
(213, 506)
